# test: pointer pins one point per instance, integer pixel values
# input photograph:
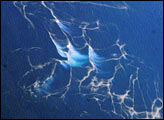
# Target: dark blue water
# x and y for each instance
(82, 60)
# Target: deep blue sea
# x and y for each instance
(85, 60)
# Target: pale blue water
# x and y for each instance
(82, 60)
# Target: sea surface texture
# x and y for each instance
(82, 59)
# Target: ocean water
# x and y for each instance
(85, 60)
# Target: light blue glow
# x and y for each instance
(60, 51)
(47, 83)
(64, 64)
(63, 27)
(94, 57)
(58, 47)
(75, 58)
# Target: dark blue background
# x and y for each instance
(142, 32)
